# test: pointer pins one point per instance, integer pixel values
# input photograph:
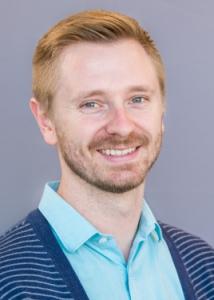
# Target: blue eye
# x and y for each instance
(90, 104)
(90, 107)
(138, 99)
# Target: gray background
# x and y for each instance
(180, 187)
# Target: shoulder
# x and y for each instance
(183, 240)
(22, 235)
(26, 267)
(20, 246)
(16, 246)
(14, 238)
(197, 257)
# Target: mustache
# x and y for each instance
(131, 141)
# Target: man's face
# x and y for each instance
(108, 114)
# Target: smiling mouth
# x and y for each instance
(118, 152)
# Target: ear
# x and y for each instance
(163, 126)
(163, 123)
(45, 124)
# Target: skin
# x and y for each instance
(108, 97)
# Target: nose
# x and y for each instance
(119, 123)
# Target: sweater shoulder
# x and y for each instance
(16, 237)
(184, 240)
(27, 271)
(196, 255)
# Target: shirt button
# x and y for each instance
(155, 236)
(102, 240)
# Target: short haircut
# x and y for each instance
(98, 26)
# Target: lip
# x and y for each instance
(123, 158)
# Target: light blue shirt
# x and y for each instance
(148, 274)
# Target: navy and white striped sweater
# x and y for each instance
(32, 265)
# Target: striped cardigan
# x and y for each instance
(33, 266)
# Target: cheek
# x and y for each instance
(83, 137)
(152, 123)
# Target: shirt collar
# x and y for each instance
(70, 227)
(148, 225)
(73, 230)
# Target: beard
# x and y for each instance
(87, 164)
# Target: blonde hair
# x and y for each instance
(96, 26)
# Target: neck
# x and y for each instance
(110, 213)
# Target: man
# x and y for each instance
(99, 97)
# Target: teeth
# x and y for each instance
(116, 152)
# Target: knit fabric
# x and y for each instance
(33, 266)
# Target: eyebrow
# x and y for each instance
(140, 88)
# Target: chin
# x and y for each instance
(118, 187)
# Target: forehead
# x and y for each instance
(110, 65)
